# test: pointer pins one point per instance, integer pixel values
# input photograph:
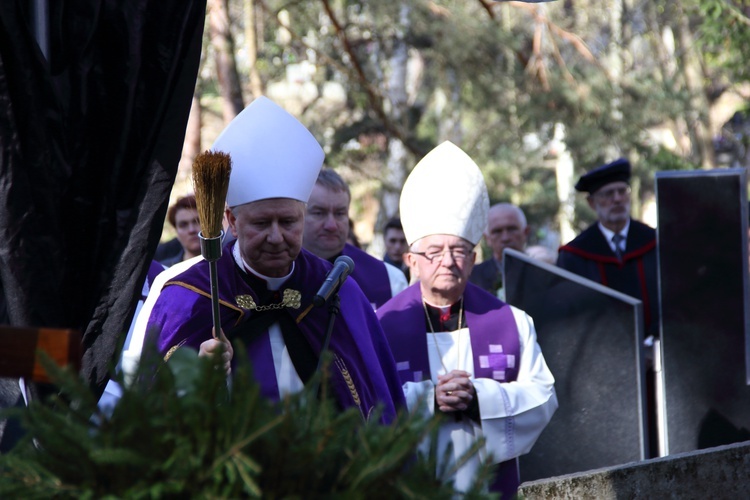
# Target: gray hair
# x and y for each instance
(502, 207)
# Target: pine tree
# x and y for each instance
(178, 431)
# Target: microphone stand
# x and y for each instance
(334, 307)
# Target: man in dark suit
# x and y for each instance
(506, 228)
(616, 251)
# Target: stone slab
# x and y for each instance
(703, 275)
(591, 338)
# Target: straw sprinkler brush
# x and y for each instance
(211, 171)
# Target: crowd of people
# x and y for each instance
(424, 330)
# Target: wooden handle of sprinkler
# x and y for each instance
(211, 251)
(213, 272)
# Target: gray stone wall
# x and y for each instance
(717, 473)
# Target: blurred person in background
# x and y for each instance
(395, 245)
(506, 228)
(183, 217)
(326, 233)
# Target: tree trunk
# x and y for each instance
(251, 42)
(615, 63)
(662, 41)
(510, 68)
(226, 65)
(190, 147)
(395, 168)
(565, 193)
(698, 116)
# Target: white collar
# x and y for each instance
(608, 233)
(442, 309)
(271, 283)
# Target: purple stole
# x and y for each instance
(492, 327)
(494, 344)
(363, 373)
(370, 274)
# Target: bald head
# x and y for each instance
(506, 228)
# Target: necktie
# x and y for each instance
(617, 239)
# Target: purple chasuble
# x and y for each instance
(494, 343)
(370, 274)
(363, 373)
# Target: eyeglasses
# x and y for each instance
(458, 254)
(609, 194)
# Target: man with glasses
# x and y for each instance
(616, 251)
(462, 355)
(326, 231)
(619, 252)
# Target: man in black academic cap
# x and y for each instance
(616, 251)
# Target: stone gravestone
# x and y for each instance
(591, 337)
(703, 275)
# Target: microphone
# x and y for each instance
(342, 267)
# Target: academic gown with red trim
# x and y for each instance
(590, 256)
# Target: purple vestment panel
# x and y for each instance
(182, 315)
(370, 274)
(492, 328)
(494, 343)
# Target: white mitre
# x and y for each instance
(273, 155)
(445, 194)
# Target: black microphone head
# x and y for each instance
(343, 259)
(342, 267)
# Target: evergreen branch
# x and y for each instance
(243, 464)
(177, 431)
(236, 449)
(561, 62)
(540, 17)
(355, 73)
(537, 59)
(737, 13)
(375, 98)
(488, 8)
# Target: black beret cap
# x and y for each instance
(618, 170)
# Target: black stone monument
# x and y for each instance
(702, 249)
(591, 337)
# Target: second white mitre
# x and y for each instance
(445, 193)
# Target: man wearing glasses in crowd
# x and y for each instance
(616, 251)
(463, 356)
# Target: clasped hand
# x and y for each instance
(454, 391)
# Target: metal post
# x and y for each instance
(40, 15)
(661, 417)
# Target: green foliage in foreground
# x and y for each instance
(184, 434)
